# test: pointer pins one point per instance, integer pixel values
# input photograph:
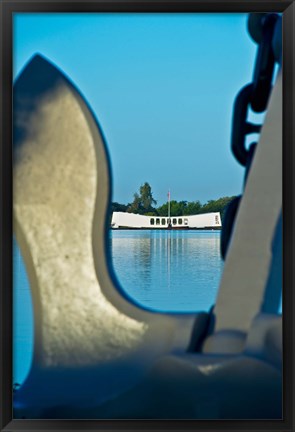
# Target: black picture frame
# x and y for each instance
(7, 8)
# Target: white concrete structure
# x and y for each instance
(134, 221)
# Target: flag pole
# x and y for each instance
(169, 204)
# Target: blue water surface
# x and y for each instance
(22, 318)
(161, 270)
(175, 271)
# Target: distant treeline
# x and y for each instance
(144, 203)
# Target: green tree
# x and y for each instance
(135, 206)
(146, 198)
(180, 208)
(163, 210)
(143, 202)
(218, 205)
(175, 208)
(117, 207)
(192, 208)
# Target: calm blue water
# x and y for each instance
(162, 270)
(169, 270)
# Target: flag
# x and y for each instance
(168, 195)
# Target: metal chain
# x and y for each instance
(256, 94)
(265, 31)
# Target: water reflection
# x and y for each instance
(168, 270)
(163, 270)
(22, 318)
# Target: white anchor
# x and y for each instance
(96, 353)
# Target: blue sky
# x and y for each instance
(162, 87)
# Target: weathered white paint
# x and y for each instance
(131, 220)
(90, 342)
(248, 262)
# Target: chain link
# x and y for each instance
(254, 95)
(265, 31)
(241, 127)
(264, 65)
